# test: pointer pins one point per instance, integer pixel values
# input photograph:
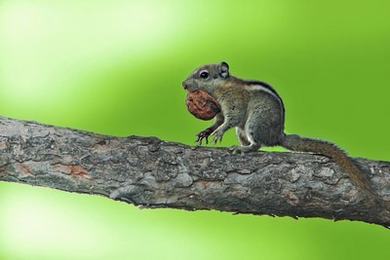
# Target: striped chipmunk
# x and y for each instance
(257, 112)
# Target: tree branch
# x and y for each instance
(152, 173)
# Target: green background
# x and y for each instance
(115, 67)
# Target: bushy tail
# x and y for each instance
(302, 144)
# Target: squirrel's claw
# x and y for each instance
(203, 135)
(199, 140)
(217, 134)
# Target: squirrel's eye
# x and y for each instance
(204, 74)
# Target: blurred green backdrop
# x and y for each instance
(115, 67)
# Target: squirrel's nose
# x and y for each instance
(184, 84)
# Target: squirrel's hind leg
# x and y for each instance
(248, 144)
(246, 149)
(241, 135)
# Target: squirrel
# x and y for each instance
(257, 112)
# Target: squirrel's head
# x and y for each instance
(207, 77)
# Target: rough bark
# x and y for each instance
(152, 173)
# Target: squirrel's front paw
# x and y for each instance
(203, 135)
(217, 134)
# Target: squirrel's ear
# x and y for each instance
(224, 69)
